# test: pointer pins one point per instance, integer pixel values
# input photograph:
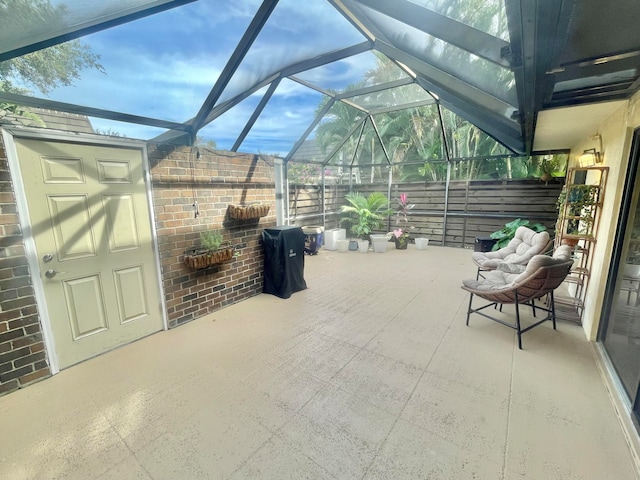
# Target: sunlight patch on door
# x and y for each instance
(132, 296)
(113, 171)
(121, 222)
(72, 227)
(85, 304)
(62, 170)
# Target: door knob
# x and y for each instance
(50, 273)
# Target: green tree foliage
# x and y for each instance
(209, 143)
(414, 141)
(337, 122)
(45, 69)
(364, 214)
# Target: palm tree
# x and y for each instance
(364, 214)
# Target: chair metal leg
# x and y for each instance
(553, 310)
(469, 308)
(518, 330)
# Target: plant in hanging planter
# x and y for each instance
(213, 250)
(506, 233)
(246, 212)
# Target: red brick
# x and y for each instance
(31, 377)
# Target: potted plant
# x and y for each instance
(363, 215)
(213, 250)
(506, 233)
(249, 211)
(379, 241)
(401, 234)
(551, 166)
(576, 208)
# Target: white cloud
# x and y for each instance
(165, 65)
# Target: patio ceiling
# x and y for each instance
(502, 65)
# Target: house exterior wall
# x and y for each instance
(616, 132)
(22, 356)
(215, 179)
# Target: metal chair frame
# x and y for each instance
(551, 314)
(540, 283)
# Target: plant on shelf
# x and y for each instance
(364, 214)
(576, 206)
(401, 234)
(213, 250)
(506, 233)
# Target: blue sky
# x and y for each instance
(164, 66)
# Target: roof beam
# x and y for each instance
(224, 107)
(344, 140)
(451, 31)
(519, 30)
(310, 128)
(250, 35)
(256, 113)
(590, 69)
(90, 112)
(348, 13)
(589, 99)
(91, 26)
(325, 58)
(286, 72)
(442, 83)
(597, 93)
(377, 132)
(406, 106)
(375, 88)
(481, 119)
(611, 57)
(311, 86)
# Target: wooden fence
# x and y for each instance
(473, 208)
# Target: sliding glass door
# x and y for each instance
(620, 331)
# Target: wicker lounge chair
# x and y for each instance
(525, 244)
(542, 275)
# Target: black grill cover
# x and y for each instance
(283, 260)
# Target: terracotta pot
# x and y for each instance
(572, 242)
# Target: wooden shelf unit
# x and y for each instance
(578, 223)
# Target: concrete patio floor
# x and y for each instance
(368, 374)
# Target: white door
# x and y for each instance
(92, 231)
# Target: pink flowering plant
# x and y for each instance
(401, 232)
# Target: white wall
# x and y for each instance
(616, 132)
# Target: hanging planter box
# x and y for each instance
(246, 212)
(198, 258)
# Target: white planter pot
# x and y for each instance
(379, 243)
(342, 246)
(422, 243)
(363, 246)
(332, 237)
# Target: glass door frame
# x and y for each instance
(630, 183)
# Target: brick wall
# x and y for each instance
(22, 355)
(214, 179)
